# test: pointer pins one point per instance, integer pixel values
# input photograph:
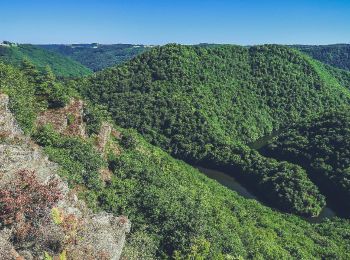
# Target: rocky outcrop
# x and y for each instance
(8, 125)
(105, 133)
(102, 235)
(103, 136)
(67, 120)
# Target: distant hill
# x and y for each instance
(337, 55)
(218, 93)
(98, 56)
(62, 66)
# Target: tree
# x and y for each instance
(51, 91)
(29, 69)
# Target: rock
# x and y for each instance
(67, 120)
(6, 248)
(103, 136)
(8, 126)
(108, 232)
(98, 233)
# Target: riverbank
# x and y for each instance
(232, 183)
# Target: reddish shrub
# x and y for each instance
(25, 204)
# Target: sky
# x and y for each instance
(176, 21)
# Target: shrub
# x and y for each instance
(79, 160)
(94, 115)
(128, 141)
(70, 119)
(46, 135)
(25, 204)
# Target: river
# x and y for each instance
(231, 183)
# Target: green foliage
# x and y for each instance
(283, 185)
(342, 76)
(176, 211)
(47, 256)
(70, 119)
(187, 98)
(128, 141)
(94, 115)
(201, 103)
(56, 216)
(80, 163)
(30, 71)
(322, 147)
(62, 66)
(50, 90)
(97, 56)
(337, 55)
(31, 90)
(200, 250)
(22, 96)
(190, 216)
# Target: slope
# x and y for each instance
(202, 104)
(161, 195)
(61, 66)
(98, 56)
(337, 55)
(218, 94)
(39, 215)
(322, 147)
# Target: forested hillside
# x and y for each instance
(98, 56)
(175, 211)
(343, 76)
(337, 55)
(62, 66)
(202, 104)
(321, 146)
(215, 94)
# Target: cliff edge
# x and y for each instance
(40, 217)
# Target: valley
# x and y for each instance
(231, 183)
(174, 130)
(198, 147)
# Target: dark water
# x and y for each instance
(227, 181)
(231, 183)
(260, 143)
(325, 213)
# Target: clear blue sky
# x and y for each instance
(181, 21)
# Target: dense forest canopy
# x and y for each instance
(61, 66)
(202, 104)
(337, 55)
(218, 93)
(98, 56)
(322, 146)
(160, 194)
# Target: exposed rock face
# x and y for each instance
(103, 136)
(105, 238)
(8, 125)
(103, 233)
(67, 120)
(106, 131)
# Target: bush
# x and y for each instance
(128, 141)
(25, 204)
(21, 93)
(79, 160)
(93, 117)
